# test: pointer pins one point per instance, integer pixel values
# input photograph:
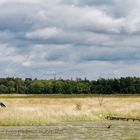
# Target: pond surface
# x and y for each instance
(119, 130)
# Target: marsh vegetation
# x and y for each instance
(41, 110)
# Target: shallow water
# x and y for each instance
(75, 131)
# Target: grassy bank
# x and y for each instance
(46, 109)
(67, 95)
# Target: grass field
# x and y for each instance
(46, 109)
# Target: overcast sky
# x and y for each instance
(69, 38)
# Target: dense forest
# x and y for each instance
(78, 86)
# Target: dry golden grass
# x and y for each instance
(41, 111)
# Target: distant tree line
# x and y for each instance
(79, 86)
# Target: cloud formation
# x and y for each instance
(69, 38)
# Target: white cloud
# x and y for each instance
(46, 33)
(71, 38)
